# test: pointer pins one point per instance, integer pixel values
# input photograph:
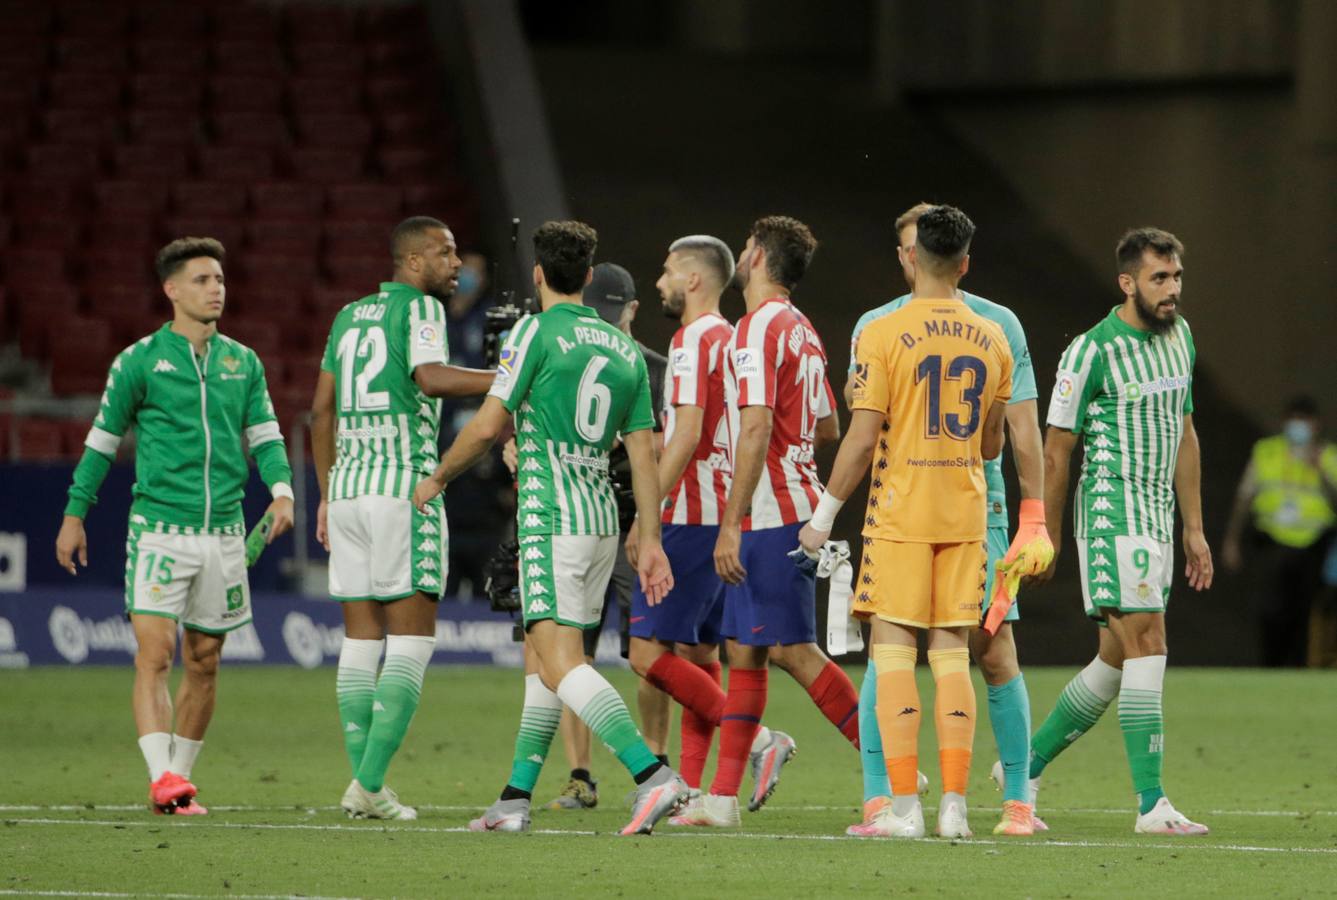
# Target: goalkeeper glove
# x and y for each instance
(1030, 554)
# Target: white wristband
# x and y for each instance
(824, 516)
(281, 489)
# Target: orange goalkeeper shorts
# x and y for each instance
(922, 585)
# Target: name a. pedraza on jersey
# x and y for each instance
(598, 338)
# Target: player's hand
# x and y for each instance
(72, 544)
(323, 525)
(426, 491)
(633, 545)
(656, 575)
(1199, 555)
(511, 456)
(812, 540)
(728, 555)
(1047, 573)
(281, 509)
(1232, 556)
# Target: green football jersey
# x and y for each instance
(574, 383)
(1126, 392)
(191, 414)
(386, 430)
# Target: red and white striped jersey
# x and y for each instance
(777, 360)
(696, 378)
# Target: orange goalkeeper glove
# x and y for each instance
(1030, 554)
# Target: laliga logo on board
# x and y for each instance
(74, 637)
(10, 656)
(309, 643)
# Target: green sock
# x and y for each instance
(1083, 701)
(538, 723)
(396, 701)
(593, 699)
(1143, 726)
(355, 686)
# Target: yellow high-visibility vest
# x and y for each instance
(1290, 506)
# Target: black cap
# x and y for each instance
(610, 289)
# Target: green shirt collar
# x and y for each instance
(576, 309)
(1123, 328)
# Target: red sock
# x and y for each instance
(689, 685)
(697, 734)
(835, 696)
(738, 727)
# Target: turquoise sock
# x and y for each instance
(875, 783)
(1010, 716)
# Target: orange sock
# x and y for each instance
(954, 715)
(898, 715)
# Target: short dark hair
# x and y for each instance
(1302, 405)
(171, 258)
(943, 237)
(910, 217)
(408, 232)
(565, 251)
(1135, 241)
(789, 247)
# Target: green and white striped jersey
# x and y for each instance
(385, 438)
(574, 383)
(1126, 392)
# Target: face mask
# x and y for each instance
(468, 280)
(1298, 432)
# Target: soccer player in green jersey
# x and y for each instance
(1125, 388)
(196, 400)
(375, 418)
(575, 384)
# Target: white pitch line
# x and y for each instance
(1186, 844)
(11, 893)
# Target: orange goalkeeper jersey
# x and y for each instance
(934, 368)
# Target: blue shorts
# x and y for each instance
(777, 604)
(996, 542)
(691, 613)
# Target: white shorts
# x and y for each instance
(198, 580)
(1130, 574)
(564, 577)
(382, 548)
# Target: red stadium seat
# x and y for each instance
(324, 95)
(149, 162)
(251, 129)
(246, 22)
(128, 326)
(326, 300)
(156, 126)
(286, 200)
(392, 90)
(6, 232)
(93, 19)
(244, 57)
(38, 440)
(259, 336)
(131, 198)
(171, 21)
(63, 162)
(81, 350)
(226, 229)
(166, 91)
(293, 237)
(365, 201)
(85, 90)
(335, 130)
(163, 54)
(246, 93)
(33, 198)
(111, 298)
(358, 236)
(276, 271)
(33, 265)
(207, 198)
(38, 306)
(23, 18)
(357, 272)
(265, 302)
(87, 54)
(328, 59)
(77, 126)
(47, 232)
(405, 127)
(127, 263)
(73, 432)
(325, 165)
(233, 164)
(408, 165)
(319, 23)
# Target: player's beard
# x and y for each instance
(1150, 315)
(674, 304)
(739, 280)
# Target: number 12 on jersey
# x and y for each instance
(373, 348)
(931, 373)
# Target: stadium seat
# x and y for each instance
(146, 162)
(155, 126)
(324, 95)
(77, 126)
(246, 93)
(166, 91)
(365, 201)
(297, 237)
(311, 23)
(38, 306)
(126, 263)
(244, 57)
(279, 271)
(328, 59)
(131, 198)
(287, 200)
(358, 236)
(162, 54)
(23, 265)
(87, 54)
(408, 165)
(325, 300)
(259, 336)
(33, 198)
(392, 91)
(128, 327)
(38, 440)
(246, 22)
(73, 432)
(251, 129)
(405, 127)
(236, 164)
(348, 130)
(207, 198)
(62, 162)
(106, 298)
(325, 164)
(260, 301)
(171, 21)
(85, 90)
(46, 232)
(81, 350)
(93, 19)
(359, 273)
(226, 229)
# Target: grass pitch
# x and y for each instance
(1249, 753)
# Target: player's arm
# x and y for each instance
(651, 562)
(1231, 551)
(1059, 444)
(1188, 490)
(469, 446)
(852, 461)
(322, 448)
(1028, 451)
(438, 380)
(828, 430)
(265, 439)
(679, 449)
(754, 436)
(120, 405)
